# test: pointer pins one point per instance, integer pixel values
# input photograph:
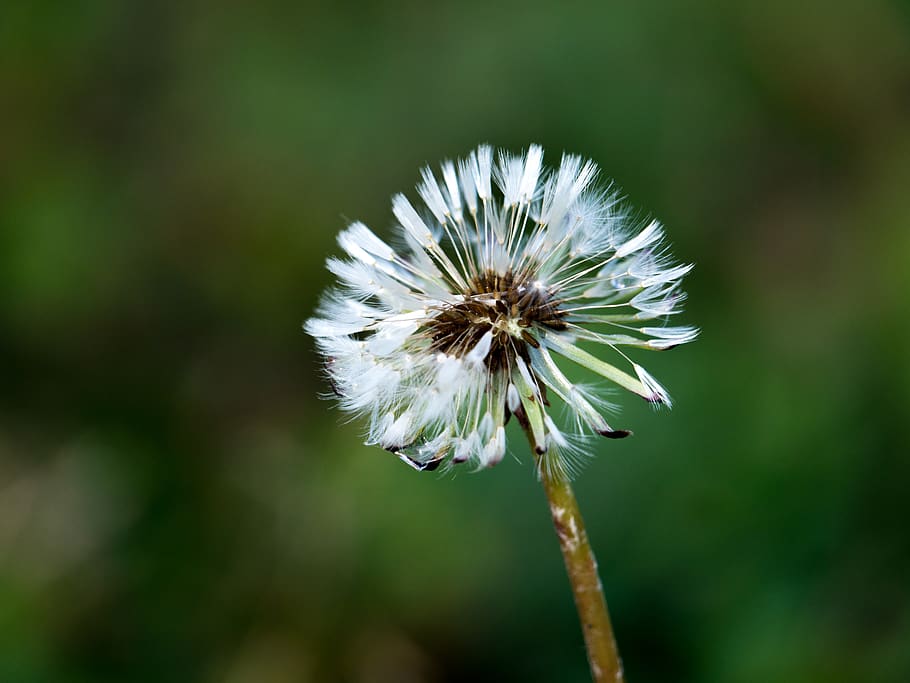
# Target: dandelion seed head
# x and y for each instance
(507, 266)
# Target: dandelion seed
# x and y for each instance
(510, 265)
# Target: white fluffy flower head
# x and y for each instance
(508, 266)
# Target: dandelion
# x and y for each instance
(441, 342)
(507, 272)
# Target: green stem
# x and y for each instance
(582, 569)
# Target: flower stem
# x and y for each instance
(581, 566)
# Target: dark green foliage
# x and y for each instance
(176, 504)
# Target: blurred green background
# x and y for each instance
(176, 504)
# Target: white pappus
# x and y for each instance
(507, 266)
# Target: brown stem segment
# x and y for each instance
(582, 568)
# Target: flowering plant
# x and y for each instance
(508, 267)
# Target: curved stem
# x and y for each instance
(581, 566)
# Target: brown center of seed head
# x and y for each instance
(501, 303)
